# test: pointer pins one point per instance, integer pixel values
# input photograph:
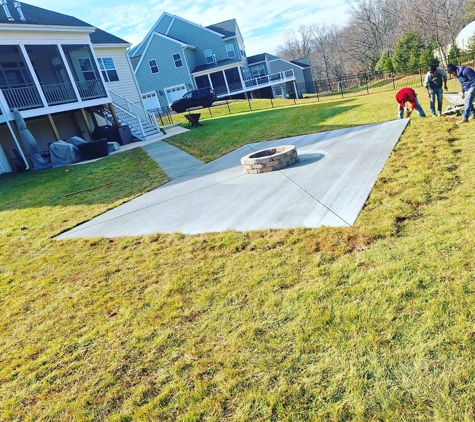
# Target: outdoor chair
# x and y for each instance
(193, 119)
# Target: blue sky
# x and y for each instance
(262, 22)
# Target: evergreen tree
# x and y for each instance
(454, 54)
(385, 63)
(427, 57)
(407, 53)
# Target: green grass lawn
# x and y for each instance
(373, 322)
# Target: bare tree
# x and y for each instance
(297, 44)
(438, 21)
(371, 30)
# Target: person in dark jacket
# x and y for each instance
(435, 78)
(466, 77)
(408, 95)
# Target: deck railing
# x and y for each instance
(91, 89)
(270, 79)
(23, 98)
(59, 93)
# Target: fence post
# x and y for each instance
(420, 73)
(340, 86)
(394, 84)
(272, 103)
(228, 106)
(316, 90)
(366, 77)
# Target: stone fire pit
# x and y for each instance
(269, 159)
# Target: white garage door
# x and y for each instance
(150, 101)
(175, 93)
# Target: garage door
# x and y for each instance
(175, 93)
(150, 101)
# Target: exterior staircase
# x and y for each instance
(142, 124)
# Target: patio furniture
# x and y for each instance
(193, 119)
(94, 149)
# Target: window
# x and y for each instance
(108, 69)
(153, 66)
(87, 69)
(230, 51)
(258, 71)
(209, 56)
(177, 60)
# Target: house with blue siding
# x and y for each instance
(177, 56)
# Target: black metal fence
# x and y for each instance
(364, 83)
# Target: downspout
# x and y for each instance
(13, 133)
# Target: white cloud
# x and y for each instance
(262, 23)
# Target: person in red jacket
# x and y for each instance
(408, 95)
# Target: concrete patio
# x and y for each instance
(327, 187)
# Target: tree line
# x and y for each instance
(397, 36)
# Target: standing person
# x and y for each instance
(408, 95)
(433, 83)
(466, 77)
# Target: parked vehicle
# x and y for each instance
(203, 97)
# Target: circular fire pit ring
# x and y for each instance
(270, 159)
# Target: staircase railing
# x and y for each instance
(132, 120)
(132, 108)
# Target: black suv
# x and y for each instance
(203, 97)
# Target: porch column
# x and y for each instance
(53, 126)
(111, 109)
(241, 78)
(86, 121)
(33, 75)
(226, 81)
(210, 83)
(68, 71)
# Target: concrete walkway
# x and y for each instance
(328, 186)
(172, 160)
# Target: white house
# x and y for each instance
(66, 77)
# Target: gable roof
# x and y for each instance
(102, 37)
(42, 17)
(261, 58)
(227, 28)
(139, 49)
(37, 16)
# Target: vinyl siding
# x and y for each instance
(125, 86)
(162, 51)
(163, 24)
(282, 65)
(200, 37)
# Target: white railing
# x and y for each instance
(91, 89)
(270, 79)
(59, 93)
(125, 104)
(23, 98)
(132, 120)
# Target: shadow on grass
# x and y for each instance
(121, 177)
(222, 135)
(113, 179)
